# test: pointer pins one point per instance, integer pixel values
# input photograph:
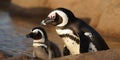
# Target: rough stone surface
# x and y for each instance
(113, 54)
(103, 15)
(2, 55)
(19, 57)
(31, 3)
(4, 4)
(110, 19)
(91, 9)
(97, 12)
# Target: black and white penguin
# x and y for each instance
(42, 47)
(78, 36)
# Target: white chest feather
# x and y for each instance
(66, 31)
(36, 43)
(71, 44)
(92, 47)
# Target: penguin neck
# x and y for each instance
(40, 42)
(68, 25)
(62, 27)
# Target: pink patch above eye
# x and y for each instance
(52, 15)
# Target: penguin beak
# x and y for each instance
(43, 22)
(46, 21)
(28, 35)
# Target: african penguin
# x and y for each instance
(42, 47)
(78, 36)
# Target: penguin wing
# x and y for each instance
(66, 51)
(93, 36)
(77, 27)
(55, 49)
(84, 42)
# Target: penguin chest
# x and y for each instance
(71, 45)
(70, 40)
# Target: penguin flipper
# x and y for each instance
(66, 51)
(94, 37)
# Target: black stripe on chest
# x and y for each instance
(71, 37)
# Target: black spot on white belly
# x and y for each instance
(71, 37)
(92, 48)
(71, 41)
(71, 45)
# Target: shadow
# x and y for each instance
(86, 20)
(16, 10)
(4, 4)
(32, 15)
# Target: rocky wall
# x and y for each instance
(103, 15)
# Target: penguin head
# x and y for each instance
(59, 17)
(37, 33)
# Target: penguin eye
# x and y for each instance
(36, 36)
(53, 17)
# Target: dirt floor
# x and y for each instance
(13, 39)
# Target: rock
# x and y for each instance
(36, 12)
(113, 54)
(2, 55)
(83, 8)
(109, 23)
(31, 3)
(18, 57)
(104, 15)
(98, 12)
(4, 4)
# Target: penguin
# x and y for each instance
(78, 36)
(42, 47)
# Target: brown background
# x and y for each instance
(103, 15)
